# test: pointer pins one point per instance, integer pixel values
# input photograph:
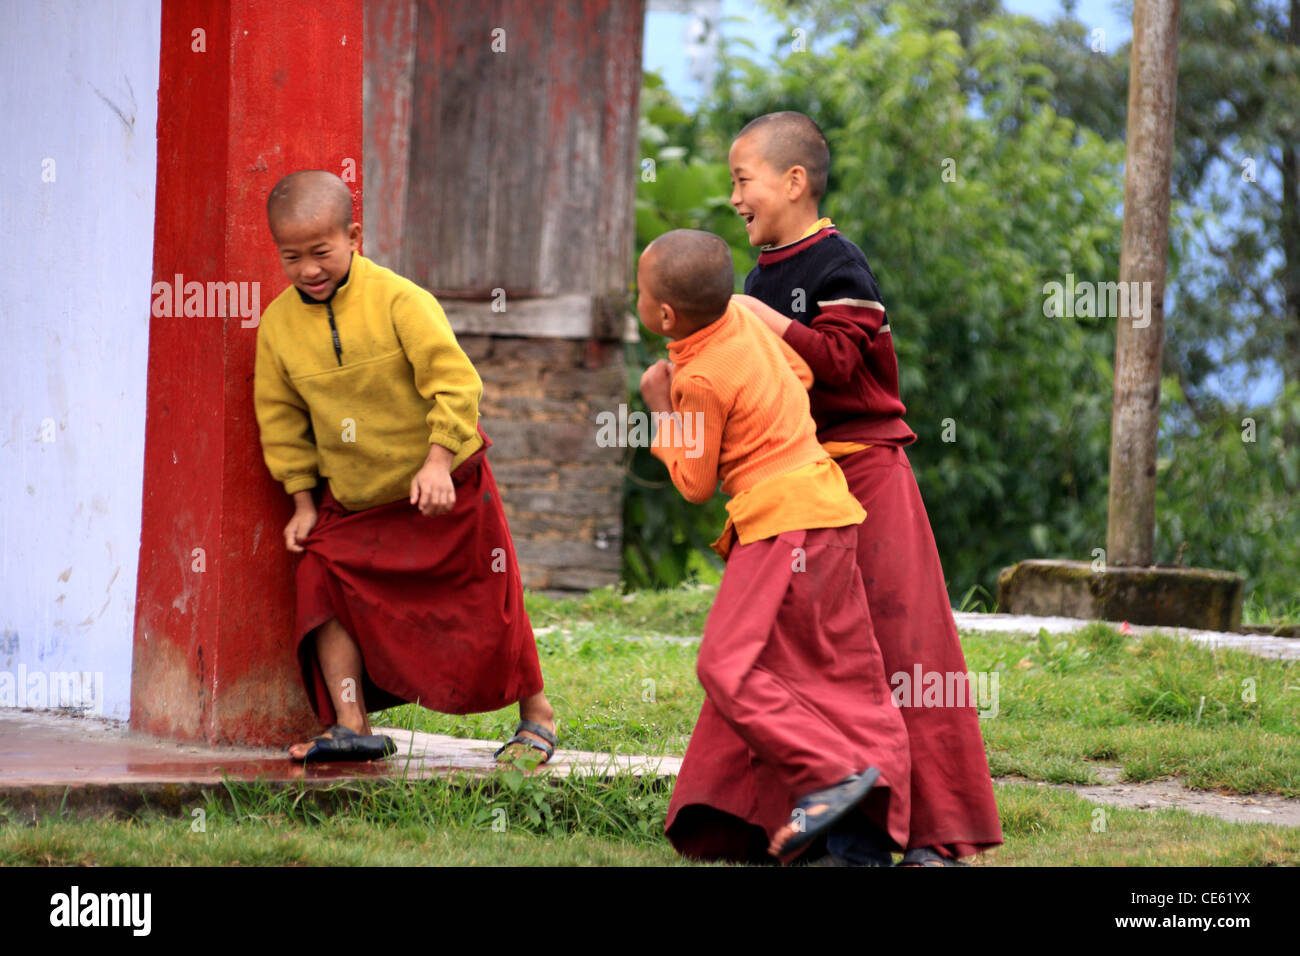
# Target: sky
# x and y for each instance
(667, 40)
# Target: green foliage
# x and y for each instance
(1226, 493)
(1027, 119)
(666, 539)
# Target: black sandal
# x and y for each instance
(548, 749)
(345, 744)
(839, 800)
(926, 856)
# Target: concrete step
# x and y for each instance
(93, 766)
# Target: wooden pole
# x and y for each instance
(1153, 77)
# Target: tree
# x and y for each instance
(977, 156)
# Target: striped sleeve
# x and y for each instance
(849, 317)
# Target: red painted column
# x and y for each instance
(248, 91)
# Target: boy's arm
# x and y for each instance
(849, 317)
(776, 322)
(689, 442)
(443, 372)
(283, 420)
(773, 319)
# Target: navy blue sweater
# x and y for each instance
(823, 283)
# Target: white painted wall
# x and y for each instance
(78, 107)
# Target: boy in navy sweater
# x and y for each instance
(814, 288)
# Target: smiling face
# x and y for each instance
(316, 253)
(772, 203)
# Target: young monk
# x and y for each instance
(408, 589)
(798, 738)
(814, 288)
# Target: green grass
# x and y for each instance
(445, 823)
(507, 818)
(609, 694)
(679, 612)
(1156, 706)
(1277, 615)
(157, 841)
(1045, 827)
(1153, 705)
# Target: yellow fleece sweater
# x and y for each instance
(362, 417)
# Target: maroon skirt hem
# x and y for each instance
(435, 604)
(952, 803)
(795, 699)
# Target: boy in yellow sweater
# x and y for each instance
(798, 738)
(408, 589)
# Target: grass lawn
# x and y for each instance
(439, 825)
(1153, 705)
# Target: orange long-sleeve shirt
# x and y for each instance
(741, 396)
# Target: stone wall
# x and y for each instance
(563, 493)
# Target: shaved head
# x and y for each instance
(789, 139)
(692, 271)
(302, 197)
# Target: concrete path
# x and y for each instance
(50, 760)
(1286, 648)
(1172, 794)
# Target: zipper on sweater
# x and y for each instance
(334, 331)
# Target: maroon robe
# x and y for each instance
(796, 699)
(952, 793)
(434, 603)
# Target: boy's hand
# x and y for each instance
(300, 525)
(657, 386)
(432, 490)
(773, 319)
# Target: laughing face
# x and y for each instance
(316, 254)
(761, 194)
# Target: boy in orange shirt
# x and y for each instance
(814, 289)
(798, 738)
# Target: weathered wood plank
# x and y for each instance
(389, 68)
(523, 147)
(571, 316)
